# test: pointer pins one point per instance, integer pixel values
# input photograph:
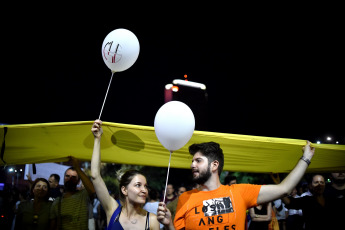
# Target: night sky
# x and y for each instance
(276, 76)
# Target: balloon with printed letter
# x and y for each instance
(120, 50)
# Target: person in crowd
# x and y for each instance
(261, 216)
(71, 210)
(280, 211)
(229, 180)
(335, 196)
(22, 196)
(294, 219)
(102, 218)
(314, 207)
(170, 194)
(303, 189)
(173, 204)
(152, 204)
(96, 203)
(35, 213)
(216, 205)
(54, 180)
(128, 213)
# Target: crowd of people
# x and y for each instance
(208, 203)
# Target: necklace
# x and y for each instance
(133, 221)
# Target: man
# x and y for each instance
(294, 218)
(170, 195)
(335, 196)
(229, 180)
(173, 204)
(54, 181)
(314, 207)
(71, 210)
(217, 206)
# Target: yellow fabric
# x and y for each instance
(138, 145)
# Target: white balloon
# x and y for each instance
(174, 125)
(120, 50)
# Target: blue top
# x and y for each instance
(114, 223)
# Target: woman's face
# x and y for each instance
(40, 190)
(136, 191)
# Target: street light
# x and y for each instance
(11, 172)
(193, 94)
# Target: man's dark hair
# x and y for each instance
(211, 150)
(56, 177)
(73, 169)
(310, 177)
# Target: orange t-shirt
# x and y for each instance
(220, 209)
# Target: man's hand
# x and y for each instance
(75, 162)
(97, 128)
(308, 151)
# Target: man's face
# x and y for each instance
(339, 178)
(181, 190)
(52, 182)
(318, 185)
(170, 189)
(71, 180)
(200, 168)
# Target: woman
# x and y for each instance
(129, 213)
(34, 214)
(261, 216)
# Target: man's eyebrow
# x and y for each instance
(198, 158)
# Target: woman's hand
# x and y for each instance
(97, 128)
(163, 214)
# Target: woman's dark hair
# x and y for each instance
(125, 179)
(212, 151)
(34, 184)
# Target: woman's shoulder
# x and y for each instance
(153, 222)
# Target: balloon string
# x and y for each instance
(106, 95)
(166, 182)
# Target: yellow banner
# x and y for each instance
(138, 145)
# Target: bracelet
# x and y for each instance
(306, 160)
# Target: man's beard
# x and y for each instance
(70, 186)
(339, 181)
(318, 190)
(203, 176)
